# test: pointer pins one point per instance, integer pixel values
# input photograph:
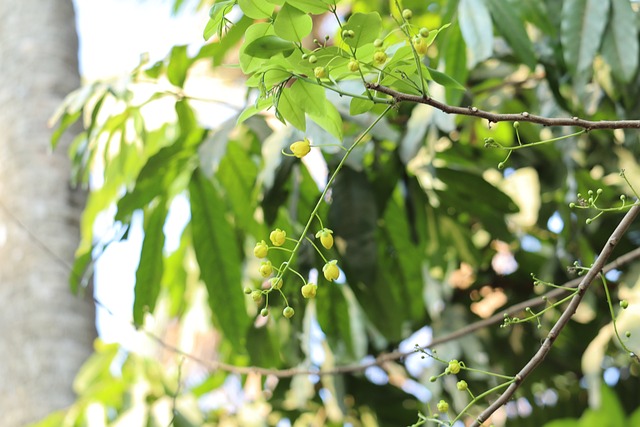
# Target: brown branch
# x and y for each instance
(495, 118)
(396, 355)
(545, 348)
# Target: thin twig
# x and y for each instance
(495, 118)
(396, 355)
(586, 281)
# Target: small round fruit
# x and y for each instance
(378, 43)
(256, 296)
(264, 312)
(353, 66)
(407, 14)
(320, 72)
(288, 312)
(313, 59)
(380, 57)
(424, 32)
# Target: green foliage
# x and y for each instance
(428, 229)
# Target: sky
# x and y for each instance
(113, 34)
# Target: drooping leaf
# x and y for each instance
(620, 43)
(218, 256)
(267, 46)
(455, 62)
(360, 106)
(292, 24)
(178, 65)
(477, 30)
(290, 110)
(444, 79)
(151, 265)
(581, 31)
(512, 28)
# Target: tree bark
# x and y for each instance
(47, 333)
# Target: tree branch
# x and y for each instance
(396, 355)
(495, 118)
(584, 284)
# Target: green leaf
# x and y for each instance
(315, 7)
(67, 120)
(292, 24)
(581, 31)
(178, 65)
(308, 97)
(218, 256)
(151, 265)
(444, 79)
(290, 110)
(620, 43)
(512, 28)
(217, 13)
(477, 30)
(250, 63)
(256, 9)
(330, 120)
(609, 414)
(360, 106)
(237, 173)
(455, 62)
(254, 109)
(267, 46)
(366, 28)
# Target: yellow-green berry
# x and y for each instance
(443, 406)
(312, 59)
(331, 271)
(624, 303)
(278, 237)
(256, 296)
(454, 367)
(288, 312)
(266, 269)
(407, 14)
(309, 290)
(380, 57)
(353, 66)
(264, 312)
(326, 237)
(276, 282)
(420, 45)
(320, 72)
(424, 32)
(261, 249)
(301, 148)
(247, 290)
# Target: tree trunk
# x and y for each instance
(47, 333)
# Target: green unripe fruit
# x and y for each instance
(256, 296)
(351, 34)
(344, 34)
(378, 43)
(407, 14)
(516, 125)
(313, 59)
(288, 312)
(624, 303)
(320, 72)
(353, 66)
(264, 312)
(424, 32)
(380, 57)
(247, 290)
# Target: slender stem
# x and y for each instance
(326, 187)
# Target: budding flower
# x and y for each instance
(276, 283)
(353, 66)
(266, 269)
(309, 290)
(278, 237)
(454, 367)
(420, 45)
(301, 148)
(288, 312)
(319, 72)
(462, 385)
(380, 57)
(326, 237)
(261, 249)
(331, 271)
(442, 406)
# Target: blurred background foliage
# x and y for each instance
(429, 232)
